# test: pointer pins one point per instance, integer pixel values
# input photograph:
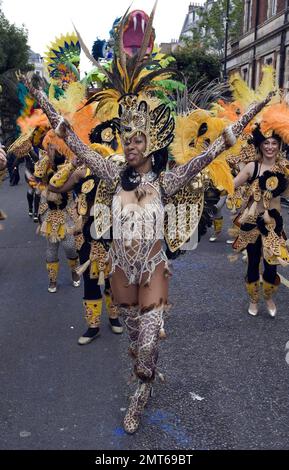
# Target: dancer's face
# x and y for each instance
(270, 148)
(134, 149)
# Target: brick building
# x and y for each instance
(265, 40)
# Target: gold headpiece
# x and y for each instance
(156, 125)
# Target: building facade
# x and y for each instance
(36, 60)
(264, 40)
(191, 19)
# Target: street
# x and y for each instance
(227, 379)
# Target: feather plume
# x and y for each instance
(146, 38)
(221, 176)
(276, 118)
(37, 119)
(52, 138)
(184, 129)
(267, 84)
(241, 91)
(83, 121)
(69, 103)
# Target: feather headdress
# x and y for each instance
(129, 79)
(128, 75)
(275, 119)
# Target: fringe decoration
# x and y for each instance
(82, 268)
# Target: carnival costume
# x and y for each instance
(91, 248)
(136, 250)
(259, 222)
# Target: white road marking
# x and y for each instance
(194, 396)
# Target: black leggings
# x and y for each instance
(254, 251)
(92, 290)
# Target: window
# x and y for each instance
(272, 8)
(247, 15)
(269, 60)
(244, 73)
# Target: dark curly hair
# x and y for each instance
(160, 162)
(258, 138)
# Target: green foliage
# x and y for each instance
(14, 55)
(196, 64)
(210, 30)
(14, 49)
(167, 92)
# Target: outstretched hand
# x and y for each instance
(63, 125)
(229, 137)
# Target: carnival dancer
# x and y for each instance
(57, 218)
(141, 188)
(260, 222)
(92, 249)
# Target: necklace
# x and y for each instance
(148, 177)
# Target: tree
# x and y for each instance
(196, 64)
(210, 30)
(14, 55)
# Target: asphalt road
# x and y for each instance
(227, 379)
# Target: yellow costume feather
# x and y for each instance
(69, 103)
(221, 176)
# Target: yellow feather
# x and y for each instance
(267, 84)
(102, 149)
(221, 176)
(185, 127)
(241, 91)
(72, 99)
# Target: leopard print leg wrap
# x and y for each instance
(151, 323)
(137, 404)
(131, 318)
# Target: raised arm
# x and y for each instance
(103, 168)
(180, 175)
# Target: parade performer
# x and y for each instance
(57, 218)
(260, 221)
(142, 187)
(93, 252)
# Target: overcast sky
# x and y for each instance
(93, 18)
